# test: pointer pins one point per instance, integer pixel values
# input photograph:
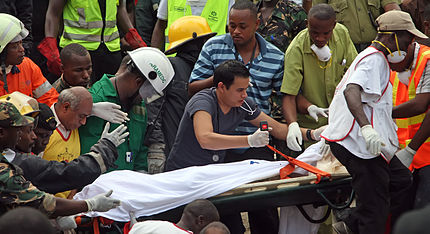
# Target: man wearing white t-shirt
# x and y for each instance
(364, 138)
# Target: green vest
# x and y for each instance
(215, 12)
(83, 24)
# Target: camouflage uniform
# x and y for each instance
(15, 190)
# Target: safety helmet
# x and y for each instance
(11, 30)
(26, 105)
(186, 29)
(154, 65)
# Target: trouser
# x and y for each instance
(260, 221)
(104, 62)
(422, 187)
(381, 188)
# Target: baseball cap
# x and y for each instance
(46, 118)
(10, 116)
(398, 20)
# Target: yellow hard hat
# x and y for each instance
(26, 105)
(186, 29)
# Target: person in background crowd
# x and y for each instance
(215, 228)
(146, 18)
(25, 220)
(416, 9)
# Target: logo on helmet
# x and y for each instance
(157, 70)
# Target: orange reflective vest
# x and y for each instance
(407, 127)
(31, 82)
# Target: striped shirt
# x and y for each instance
(267, 70)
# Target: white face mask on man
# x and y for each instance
(323, 53)
(404, 76)
(148, 93)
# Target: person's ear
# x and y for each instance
(66, 106)
(220, 85)
(139, 81)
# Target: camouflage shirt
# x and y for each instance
(15, 190)
(286, 21)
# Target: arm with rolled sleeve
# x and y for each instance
(201, 76)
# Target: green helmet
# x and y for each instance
(11, 30)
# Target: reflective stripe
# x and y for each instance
(6, 31)
(42, 89)
(99, 160)
(89, 25)
(404, 123)
(89, 37)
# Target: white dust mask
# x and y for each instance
(404, 76)
(148, 93)
(396, 56)
(323, 54)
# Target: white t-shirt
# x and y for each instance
(157, 227)
(196, 7)
(370, 70)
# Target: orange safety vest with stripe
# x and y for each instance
(407, 127)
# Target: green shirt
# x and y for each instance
(303, 72)
(104, 91)
(354, 14)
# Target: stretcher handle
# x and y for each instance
(334, 206)
(311, 220)
(319, 173)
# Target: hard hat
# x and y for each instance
(26, 105)
(186, 29)
(11, 30)
(154, 65)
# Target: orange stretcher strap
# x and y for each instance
(319, 173)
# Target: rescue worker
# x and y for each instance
(17, 191)
(148, 73)
(18, 72)
(364, 138)
(93, 24)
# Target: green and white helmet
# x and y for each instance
(11, 30)
(154, 65)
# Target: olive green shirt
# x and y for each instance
(354, 14)
(304, 73)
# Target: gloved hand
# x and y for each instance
(374, 142)
(66, 222)
(314, 111)
(102, 202)
(117, 136)
(325, 148)
(156, 158)
(294, 137)
(316, 133)
(48, 48)
(133, 38)
(406, 156)
(258, 138)
(110, 112)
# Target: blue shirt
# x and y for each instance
(267, 70)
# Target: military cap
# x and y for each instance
(10, 116)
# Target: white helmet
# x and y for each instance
(154, 65)
(11, 30)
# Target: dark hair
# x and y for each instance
(245, 5)
(125, 60)
(71, 49)
(24, 220)
(202, 207)
(322, 11)
(227, 71)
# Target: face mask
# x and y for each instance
(404, 76)
(323, 54)
(396, 56)
(148, 93)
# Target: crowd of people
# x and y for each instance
(90, 87)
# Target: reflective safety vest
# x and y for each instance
(84, 24)
(215, 12)
(407, 127)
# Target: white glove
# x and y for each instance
(406, 156)
(117, 136)
(325, 148)
(374, 142)
(294, 137)
(156, 158)
(316, 134)
(314, 111)
(258, 139)
(102, 202)
(66, 222)
(110, 112)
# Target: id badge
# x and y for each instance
(129, 157)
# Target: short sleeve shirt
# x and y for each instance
(186, 150)
(424, 83)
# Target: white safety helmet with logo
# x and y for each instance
(11, 30)
(155, 67)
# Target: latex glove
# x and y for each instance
(374, 142)
(117, 136)
(325, 148)
(406, 156)
(110, 112)
(314, 111)
(294, 137)
(48, 48)
(316, 134)
(156, 158)
(258, 139)
(102, 202)
(134, 39)
(66, 222)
